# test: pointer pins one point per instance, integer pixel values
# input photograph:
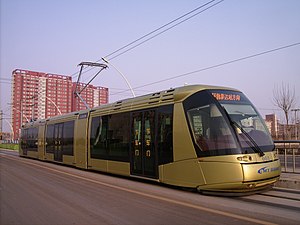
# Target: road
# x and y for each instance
(35, 192)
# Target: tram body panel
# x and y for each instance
(182, 141)
(221, 172)
(68, 160)
(80, 141)
(98, 164)
(185, 173)
(32, 154)
(120, 168)
(109, 166)
(49, 157)
(41, 142)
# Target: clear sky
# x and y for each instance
(55, 36)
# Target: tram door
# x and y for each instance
(58, 132)
(143, 149)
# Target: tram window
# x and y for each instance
(251, 122)
(35, 138)
(32, 139)
(25, 143)
(29, 137)
(98, 140)
(24, 133)
(211, 132)
(68, 137)
(199, 120)
(110, 137)
(165, 134)
(118, 136)
(50, 138)
(210, 129)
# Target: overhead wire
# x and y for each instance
(215, 66)
(154, 31)
(165, 30)
(131, 43)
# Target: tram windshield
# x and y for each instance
(209, 128)
(250, 128)
(230, 125)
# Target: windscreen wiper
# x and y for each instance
(254, 146)
(252, 143)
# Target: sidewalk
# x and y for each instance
(289, 180)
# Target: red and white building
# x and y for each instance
(38, 95)
(93, 96)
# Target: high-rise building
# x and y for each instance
(92, 95)
(58, 96)
(37, 95)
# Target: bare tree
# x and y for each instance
(284, 98)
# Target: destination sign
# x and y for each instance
(226, 97)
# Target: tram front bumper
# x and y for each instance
(261, 171)
(253, 177)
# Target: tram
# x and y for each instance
(204, 137)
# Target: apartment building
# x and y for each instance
(93, 96)
(38, 95)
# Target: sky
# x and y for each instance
(55, 36)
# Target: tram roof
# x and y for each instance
(164, 97)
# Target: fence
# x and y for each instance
(289, 154)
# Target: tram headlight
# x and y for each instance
(251, 185)
(244, 158)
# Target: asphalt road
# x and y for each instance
(35, 192)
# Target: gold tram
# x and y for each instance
(204, 137)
